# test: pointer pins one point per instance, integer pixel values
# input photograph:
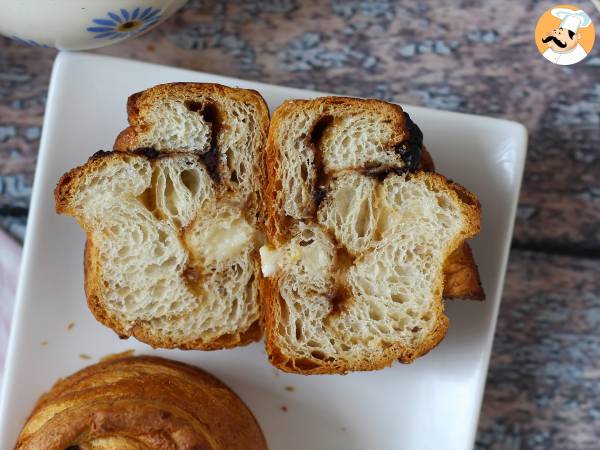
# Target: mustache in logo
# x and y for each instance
(555, 40)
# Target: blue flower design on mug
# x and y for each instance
(124, 23)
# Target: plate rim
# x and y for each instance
(517, 130)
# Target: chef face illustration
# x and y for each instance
(563, 40)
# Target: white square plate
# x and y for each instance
(432, 404)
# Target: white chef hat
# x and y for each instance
(572, 20)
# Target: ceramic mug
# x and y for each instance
(81, 24)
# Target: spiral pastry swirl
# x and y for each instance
(141, 402)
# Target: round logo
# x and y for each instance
(564, 35)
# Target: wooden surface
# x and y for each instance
(472, 56)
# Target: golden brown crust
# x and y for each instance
(126, 142)
(277, 224)
(462, 276)
(68, 184)
(92, 288)
(139, 102)
(426, 163)
(93, 284)
(460, 270)
(138, 105)
(141, 402)
(272, 312)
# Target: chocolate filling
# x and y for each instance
(320, 181)
(210, 113)
(342, 295)
(100, 154)
(380, 172)
(193, 278)
(410, 149)
(340, 299)
(148, 152)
